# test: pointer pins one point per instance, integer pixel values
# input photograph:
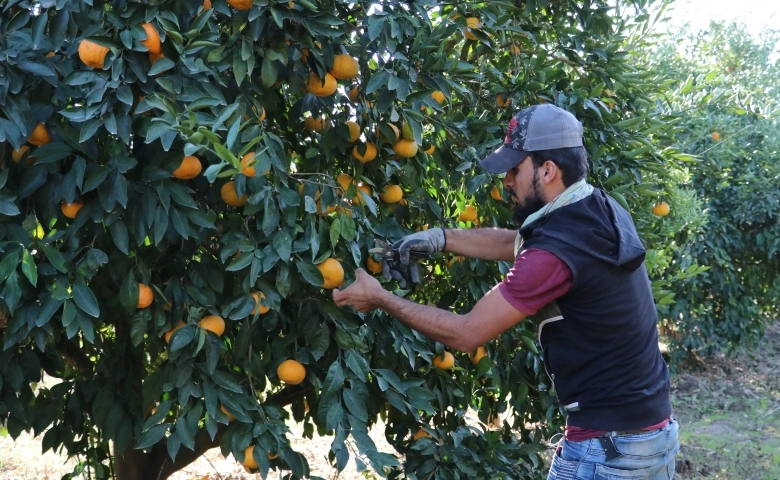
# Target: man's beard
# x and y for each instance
(531, 203)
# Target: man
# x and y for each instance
(579, 274)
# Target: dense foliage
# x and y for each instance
(94, 213)
(724, 92)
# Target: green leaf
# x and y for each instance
(358, 365)
(86, 300)
(129, 292)
(152, 436)
(355, 404)
(283, 244)
(334, 380)
(310, 272)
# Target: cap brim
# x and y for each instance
(503, 159)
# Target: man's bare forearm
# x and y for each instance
(445, 327)
(483, 243)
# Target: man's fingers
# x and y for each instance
(414, 273)
(385, 269)
(404, 254)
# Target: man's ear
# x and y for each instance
(549, 172)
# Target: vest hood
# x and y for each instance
(596, 225)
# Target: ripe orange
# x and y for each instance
(206, 5)
(247, 165)
(224, 410)
(420, 434)
(189, 168)
(430, 149)
(258, 306)
(382, 138)
(438, 95)
(152, 42)
(145, 296)
(240, 4)
(354, 131)
(469, 214)
(515, 49)
(154, 57)
(373, 266)
(273, 456)
(495, 194)
(344, 67)
(344, 181)
(369, 154)
(291, 371)
(353, 94)
(327, 211)
(362, 187)
(92, 54)
(476, 356)
(249, 460)
(661, 209)
(716, 136)
(501, 102)
(39, 136)
(473, 24)
(317, 88)
(71, 209)
(393, 194)
(229, 195)
(405, 148)
(332, 273)
(213, 323)
(314, 124)
(445, 360)
(17, 155)
(170, 332)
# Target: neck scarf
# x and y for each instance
(576, 192)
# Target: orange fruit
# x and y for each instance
(373, 266)
(213, 323)
(258, 306)
(327, 211)
(405, 148)
(39, 136)
(501, 102)
(473, 24)
(154, 57)
(420, 434)
(240, 4)
(515, 49)
(152, 42)
(344, 181)
(71, 209)
(189, 168)
(206, 5)
(273, 456)
(317, 88)
(716, 136)
(495, 194)
(170, 332)
(229, 195)
(431, 149)
(249, 459)
(314, 124)
(393, 194)
(369, 154)
(247, 165)
(332, 273)
(445, 360)
(224, 410)
(344, 67)
(291, 371)
(661, 209)
(469, 214)
(438, 95)
(354, 131)
(362, 187)
(353, 94)
(17, 155)
(477, 355)
(145, 296)
(92, 54)
(382, 138)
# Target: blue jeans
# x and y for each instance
(641, 456)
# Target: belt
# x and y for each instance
(626, 432)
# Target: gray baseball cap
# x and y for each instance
(539, 127)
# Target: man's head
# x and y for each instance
(545, 132)
(552, 139)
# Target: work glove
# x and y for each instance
(414, 246)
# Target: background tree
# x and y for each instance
(724, 91)
(181, 186)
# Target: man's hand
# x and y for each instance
(426, 242)
(364, 295)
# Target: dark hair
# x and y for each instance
(572, 161)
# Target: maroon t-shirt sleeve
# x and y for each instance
(537, 278)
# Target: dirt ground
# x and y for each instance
(728, 409)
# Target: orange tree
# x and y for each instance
(171, 221)
(724, 92)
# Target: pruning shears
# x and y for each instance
(391, 263)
